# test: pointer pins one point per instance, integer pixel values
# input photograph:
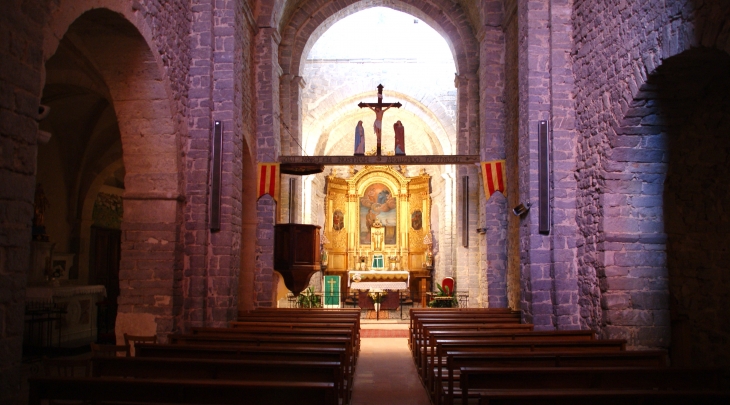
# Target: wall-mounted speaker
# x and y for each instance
(215, 178)
(544, 177)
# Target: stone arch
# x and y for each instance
(664, 209)
(142, 99)
(609, 161)
(305, 25)
(441, 138)
(301, 27)
(644, 264)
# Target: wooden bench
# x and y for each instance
(281, 330)
(434, 363)
(602, 397)
(453, 313)
(165, 391)
(263, 340)
(432, 336)
(207, 369)
(418, 342)
(455, 360)
(416, 332)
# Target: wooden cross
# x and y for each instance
(332, 283)
(378, 109)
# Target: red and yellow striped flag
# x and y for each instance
(494, 178)
(268, 175)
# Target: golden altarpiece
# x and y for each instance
(376, 222)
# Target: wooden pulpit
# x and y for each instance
(296, 254)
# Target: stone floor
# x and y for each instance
(385, 372)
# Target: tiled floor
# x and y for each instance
(385, 372)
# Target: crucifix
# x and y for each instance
(378, 109)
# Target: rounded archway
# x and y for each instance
(665, 212)
(103, 54)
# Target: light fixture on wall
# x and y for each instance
(481, 231)
(521, 209)
(43, 111)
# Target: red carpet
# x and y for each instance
(383, 333)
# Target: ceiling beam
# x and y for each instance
(381, 160)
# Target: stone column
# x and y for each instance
(468, 265)
(549, 277)
(268, 148)
(534, 93)
(564, 232)
(493, 245)
(149, 283)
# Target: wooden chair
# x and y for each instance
(131, 340)
(352, 300)
(98, 350)
(448, 282)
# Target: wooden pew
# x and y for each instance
(254, 353)
(235, 370)
(418, 344)
(416, 333)
(165, 391)
(263, 340)
(308, 313)
(452, 313)
(432, 336)
(433, 364)
(236, 352)
(481, 379)
(298, 319)
(278, 329)
(455, 360)
(293, 341)
(602, 397)
(449, 316)
(417, 339)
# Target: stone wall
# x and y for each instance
(21, 41)
(492, 117)
(621, 166)
(511, 146)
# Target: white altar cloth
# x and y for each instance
(382, 279)
(383, 285)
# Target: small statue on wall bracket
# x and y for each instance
(40, 204)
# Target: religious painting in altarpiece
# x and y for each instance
(382, 194)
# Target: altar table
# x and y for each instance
(378, 279)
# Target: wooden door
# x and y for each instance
(104, 269)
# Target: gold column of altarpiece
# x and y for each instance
(401, 203)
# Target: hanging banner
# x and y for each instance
(331, 291)
(268, 180)
(494, 177)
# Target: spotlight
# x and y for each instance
(43, 111)
(521, 209)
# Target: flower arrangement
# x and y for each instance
(441, 299)
(377, 295)
(357, 277)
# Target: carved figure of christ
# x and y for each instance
(379, 108)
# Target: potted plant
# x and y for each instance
(443, 299)
(308, 299)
